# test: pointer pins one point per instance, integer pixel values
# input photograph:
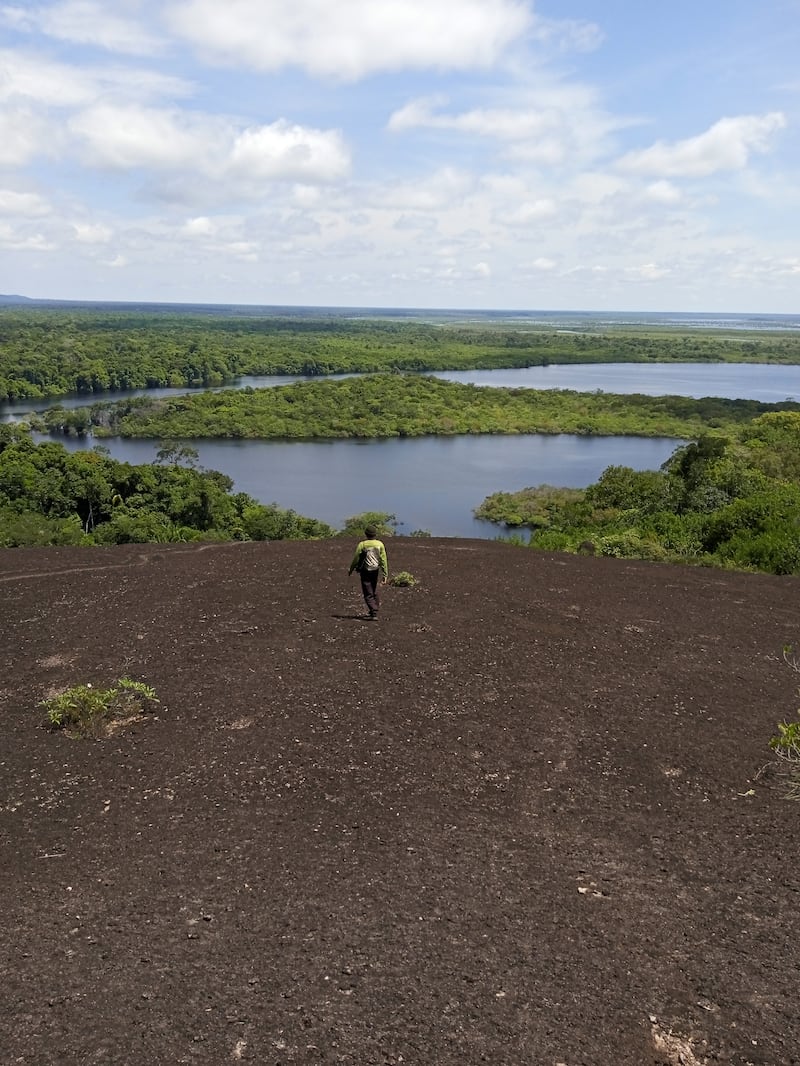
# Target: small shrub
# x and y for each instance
(385, 524)
(86, 711)
(403, 580)
(786, 742)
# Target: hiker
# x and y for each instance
(370, 561)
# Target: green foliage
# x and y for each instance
(402, 579)
(731, 502)
(537, 507)
(786, 742)
(401, 405)
(385, 524)
(85, 711)
(31, 529)
(270, 522)
(50, 496)
(621, 488)
(629, 545)
(50, 352)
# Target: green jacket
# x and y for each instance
(370, 549)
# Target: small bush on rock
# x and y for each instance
(85, 711)
(402, 579)
(786, 742)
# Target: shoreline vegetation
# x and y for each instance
(55, 352)
(399, 405)
(730, 497)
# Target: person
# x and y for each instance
(371, 563)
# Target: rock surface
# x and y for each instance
(520, 819)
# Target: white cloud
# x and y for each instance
(305, 196)
(647, 272)
(351, 39)
(92, 233)
(28, 78)
(596, 187)
(84, 22)
(23, 135)
(12, 240)
(26, 204)
(505, 124)
(201, 226)
(285, 152)
(441, 190)
(552, 124)
(34, 79)
(125, 137)
(534, 134)
(129, 137)
(568, 34)
(663, 192)
(727, 145)
(534, 211)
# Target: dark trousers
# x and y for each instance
(370, 587)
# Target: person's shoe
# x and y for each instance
(373, 616)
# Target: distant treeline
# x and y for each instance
(398, 405)
(52, 352)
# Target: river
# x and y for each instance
(435, 483)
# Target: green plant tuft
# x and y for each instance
(85, 711)
(786, 742)
(403, 580)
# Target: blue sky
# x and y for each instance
(563, 154)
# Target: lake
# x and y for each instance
(430, 483)
(435, 483)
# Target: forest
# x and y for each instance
(53, 352)
(729, 500)
(729, 496)
(400, 405)
(51, 496)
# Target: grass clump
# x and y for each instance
(403, 580)
(786, 742)
(85, 711)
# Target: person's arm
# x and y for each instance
(356, 558)
(384, 563)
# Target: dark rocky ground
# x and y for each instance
(518, 820)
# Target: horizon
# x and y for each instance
(12, 299)
(453, 154)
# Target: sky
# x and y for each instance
(489, 154)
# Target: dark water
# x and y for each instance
(733, 381)
(431, 483)
(744, 381)
(434, 483)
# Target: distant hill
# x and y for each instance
(6, 299)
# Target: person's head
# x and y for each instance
(370, 531)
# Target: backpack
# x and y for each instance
(370, 559)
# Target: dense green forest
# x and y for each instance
(400, 405)
(52, 352)
(731, 500)
(729, 497)
(51, 496)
